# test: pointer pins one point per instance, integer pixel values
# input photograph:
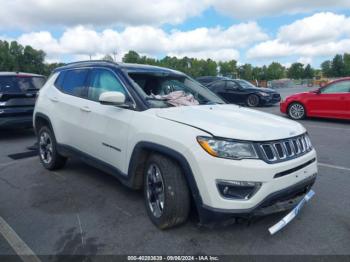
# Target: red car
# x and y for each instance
(329, 101)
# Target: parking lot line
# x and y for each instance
(18, 245)
(334, 166)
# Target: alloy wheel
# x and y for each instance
(253, 100)
(45, 148)
(297, 111)
(155, 190)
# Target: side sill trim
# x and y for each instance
(92, 161)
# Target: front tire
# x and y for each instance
(253, 100)
(296, 111)
(49, 157)
(167, 197)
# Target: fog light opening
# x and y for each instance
(239, 190)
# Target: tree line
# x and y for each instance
(208, 67)
(16, 57)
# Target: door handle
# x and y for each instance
(85, 109)
(54, 99)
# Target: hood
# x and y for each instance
(231, 121)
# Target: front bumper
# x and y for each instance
(282, 200)
(272, 178)
(270, 100)
(283, 107)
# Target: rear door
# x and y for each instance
(18, 94)
(67, 103)
(108, 126)
(331, 101)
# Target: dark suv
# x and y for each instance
(18, 92)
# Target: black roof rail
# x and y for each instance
(85, 62)
(91, 61)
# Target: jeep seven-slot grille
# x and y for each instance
(285, 149)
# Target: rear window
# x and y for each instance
(20, 84)
(72, 82)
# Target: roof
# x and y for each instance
(127, 66)
(18, 74)
(339, 79)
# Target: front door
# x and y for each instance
(331, 101)
(108, 126)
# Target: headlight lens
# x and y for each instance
(226, 148)
(264, 94)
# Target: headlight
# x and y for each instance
(227, 148)
(264, 94)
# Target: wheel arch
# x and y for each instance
(40, 120)
(138, 159)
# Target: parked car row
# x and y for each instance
(238, 91)
(18, 92)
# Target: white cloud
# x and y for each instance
(261, 8)
(320, 27)
(269, 49)
(305, 60)
(217, 55)
(29, 13)
(322, 34)
(216, 43)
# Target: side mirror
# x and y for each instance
(112, 98)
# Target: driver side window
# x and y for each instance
(339, 87)
(102, 81)
(231, 85)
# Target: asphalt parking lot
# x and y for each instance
(80, 210)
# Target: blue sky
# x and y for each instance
(255, 31)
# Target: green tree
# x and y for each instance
(346, 59)
(296, 71)
(275, 71)
(246, 72)
(228, 68)
(108, 58)
(309, 72)
(338, 66)
(326, 67)
(131, 57)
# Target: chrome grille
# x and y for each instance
(285, 149)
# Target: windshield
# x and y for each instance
(20, 84)
(165, 90)
(245, 84)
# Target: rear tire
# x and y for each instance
(49, 157)
(296, 111)
(253, 100)
(167, 197)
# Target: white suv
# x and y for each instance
(225, 161)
